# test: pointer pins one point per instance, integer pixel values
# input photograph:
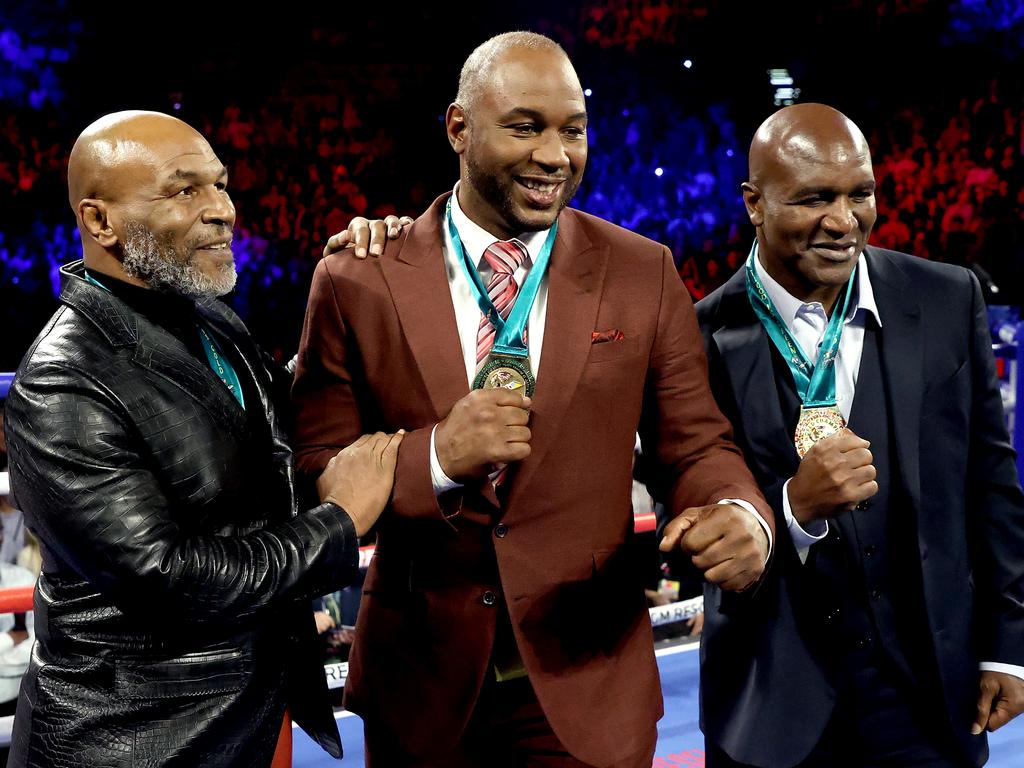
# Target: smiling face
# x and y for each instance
(523, 143)
(812, 199)
(155, 198)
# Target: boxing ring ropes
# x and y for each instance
(1005, 325)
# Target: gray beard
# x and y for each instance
(161, 268)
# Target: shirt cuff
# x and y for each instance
(1009, 669)
(750, 508)
(802, 537)
(438, 478)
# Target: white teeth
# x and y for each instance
(545, 187)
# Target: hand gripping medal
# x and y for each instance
(815, 384)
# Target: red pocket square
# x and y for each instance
(599, 337)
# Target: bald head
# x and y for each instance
(152, 206)
(114, 146)
(811, 132)
(479, 68)
(811, 198)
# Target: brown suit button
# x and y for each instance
(489, 598)
(500, 530)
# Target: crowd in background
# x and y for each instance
(329, 141)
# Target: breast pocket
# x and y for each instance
(613, 350)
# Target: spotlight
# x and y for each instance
(658, 171)
(688, 63)
(588, 92)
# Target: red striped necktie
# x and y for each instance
(505, 257)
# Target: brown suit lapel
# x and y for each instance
(575, 281)
(419, 289)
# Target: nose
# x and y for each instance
(839, 218)
(550, 151)
(218, 208)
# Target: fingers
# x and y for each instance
(513, 416)
(378, 236)
(733, 576)
(336, 242)
(678, 526)
(362, 440)
(501, 397)
(988, 689)
(359, 233)
(518, 434)
(1000, 699)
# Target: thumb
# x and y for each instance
(391, 449)
(988, 691)
(677, 527)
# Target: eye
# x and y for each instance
(575, 132)
(524, 129)
(863, 195)
(221, 186)
(186, 192)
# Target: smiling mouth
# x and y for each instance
(836, 251)
(542, 193)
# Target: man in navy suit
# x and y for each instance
(889, 630)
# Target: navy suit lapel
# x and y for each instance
(746, 354)
(902, 363)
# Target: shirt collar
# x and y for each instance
(476, 239)
(788, 306)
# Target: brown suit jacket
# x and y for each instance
(380, 351)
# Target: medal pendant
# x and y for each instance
(506, 372)
(816, 424)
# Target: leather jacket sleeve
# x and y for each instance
(81, 475)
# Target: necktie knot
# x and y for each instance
(505, 256)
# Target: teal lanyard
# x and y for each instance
(508, 336)
(222, 366)
(218, 363)
(816, 384)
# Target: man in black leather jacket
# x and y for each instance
(174, 623)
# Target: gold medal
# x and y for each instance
(816, 424)
(506, 372)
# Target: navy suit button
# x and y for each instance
(862, 505)
(832, 616)
(864, 643)
(501, 530)
(489, 598)
(870, 550)
(875, 594)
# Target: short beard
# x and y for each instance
(159, 265)
(499, 195)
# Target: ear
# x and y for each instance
(457, 127)
(95, 220)
(753, 201)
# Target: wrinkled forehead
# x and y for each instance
(153, 159)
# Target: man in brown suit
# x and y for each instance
(503, 622)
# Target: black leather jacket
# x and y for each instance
(173, 620)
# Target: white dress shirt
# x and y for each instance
(807, 323)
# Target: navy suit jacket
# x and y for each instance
(767, 693)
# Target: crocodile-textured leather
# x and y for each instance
(172, 613)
